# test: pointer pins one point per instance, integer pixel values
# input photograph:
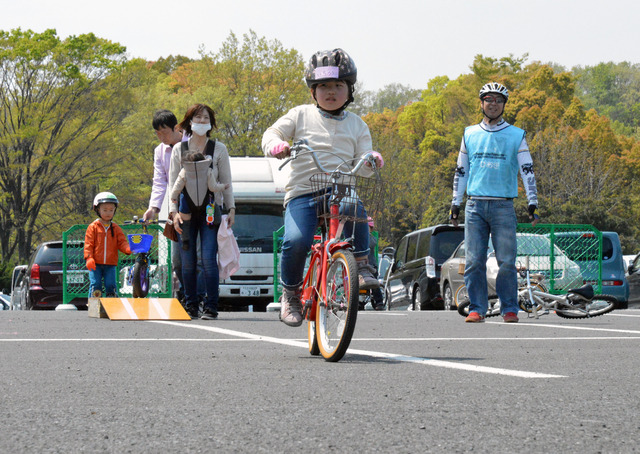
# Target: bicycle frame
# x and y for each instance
(322, 252)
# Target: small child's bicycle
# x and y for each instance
(533, 298)
(576, 303)
(330, 290)
(139, 274)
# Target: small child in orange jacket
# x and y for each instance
(101, 244)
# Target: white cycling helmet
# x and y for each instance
(494, 87)
(104, 197)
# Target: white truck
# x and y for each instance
(258, 189)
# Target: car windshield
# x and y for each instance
(533, 246)
(255, 225)
(584, 247)
(444, 243)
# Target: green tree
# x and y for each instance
(249, 84)
(391, 97)
(61, 101)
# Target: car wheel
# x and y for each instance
(448, 297)
(417, 298)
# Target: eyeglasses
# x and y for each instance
(491, 99)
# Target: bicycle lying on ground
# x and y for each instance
(140, 243)
(330, 290)
(533, 298)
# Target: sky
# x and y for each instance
(394, 41)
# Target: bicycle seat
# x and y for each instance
(586, 291)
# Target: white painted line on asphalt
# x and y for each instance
(401, 358)
(304, 341)
(463, 339)
(136, 339)
(582, 328)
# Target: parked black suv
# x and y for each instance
(42, 281)
(415, 274)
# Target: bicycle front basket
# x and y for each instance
(349, 192)
(139, 242)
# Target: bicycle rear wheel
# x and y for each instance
(140, 278)
(336, 317)
(599, 305)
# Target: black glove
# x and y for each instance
(454, 213)
(533, 212)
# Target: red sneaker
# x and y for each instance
(510, 317)
(474, 317)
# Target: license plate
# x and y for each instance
(75, 278)
(249, 291)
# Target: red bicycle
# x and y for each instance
(330, 290)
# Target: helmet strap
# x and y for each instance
(486, 115)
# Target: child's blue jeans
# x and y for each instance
(106, 273)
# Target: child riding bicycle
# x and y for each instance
(102, 241)
(337, 136)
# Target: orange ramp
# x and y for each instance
(144, 309)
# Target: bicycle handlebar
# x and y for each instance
(137, 220)
(302, 147)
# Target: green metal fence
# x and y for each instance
(567, 255)
(75, 279)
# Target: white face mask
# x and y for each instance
(200, 128)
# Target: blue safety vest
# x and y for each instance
(493, 161)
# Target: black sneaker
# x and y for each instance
(208, 314)
(193, 312)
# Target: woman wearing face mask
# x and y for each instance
(197, 125)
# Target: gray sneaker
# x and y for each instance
(366, 278)
(291, 308)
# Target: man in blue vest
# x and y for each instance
(490, 156)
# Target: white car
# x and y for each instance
(534, 253)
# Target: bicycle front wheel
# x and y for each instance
(336, 317)
(599, 305)
(140, 279)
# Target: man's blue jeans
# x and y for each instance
(495, 219)
(106, 273)
(209, 252)
(300, 224)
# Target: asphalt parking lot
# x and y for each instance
(411, 382)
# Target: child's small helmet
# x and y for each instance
(494, 87)
(328, 65)
(104, 197)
